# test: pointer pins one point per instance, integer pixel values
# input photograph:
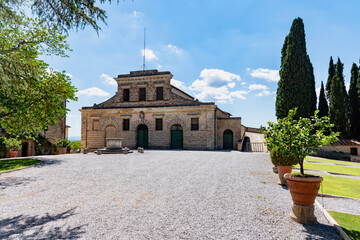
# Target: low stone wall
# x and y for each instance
(355, 158)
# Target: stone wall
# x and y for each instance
(55, 132)
(96, 121)
(341, 148)
(233, 124)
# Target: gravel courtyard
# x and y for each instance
(155, 195)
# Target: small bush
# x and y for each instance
(63, 143)
(333, 155)
(282, 160)
(75, 144)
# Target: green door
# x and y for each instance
(142, 136)
(228, 139)
(176, 137)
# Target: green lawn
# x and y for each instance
(323, 160)
(6, 165)
(331, 168)
(350, 223)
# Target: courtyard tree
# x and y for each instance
(331, 72)
(31, 93)
(296, 87)
(312, 87)
(354, 103)
(323, 105)
(339, 101)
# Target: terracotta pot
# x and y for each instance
(303, 190)
(281, 171)
(62, 150)
(13, 154)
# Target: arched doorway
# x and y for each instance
(228, 137)
(142, 136)
(246, 147)
(176, 137)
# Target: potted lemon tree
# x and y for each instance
(294, 139)
(14, 146)
(63, 144)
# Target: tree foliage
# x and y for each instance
(294, 139)
(323, 105)
(64, 14)
(312, 87)
(354, 103)
(331, 72)
(296, 87)
(32, 95)
(339, 101)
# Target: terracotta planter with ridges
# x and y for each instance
(62, 150)
(13, 154)
(281, 171)
(304, 190)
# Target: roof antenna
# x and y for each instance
(143, 66)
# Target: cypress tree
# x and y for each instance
(294, 85)
(323, 105)
(339, 101)
(330, 77)
(312, 87)
(354, 106)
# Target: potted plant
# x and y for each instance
(14, 145)
(63, 144)
(283, 163)
(297, 138)
(278, 142)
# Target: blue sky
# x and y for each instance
(222, 51)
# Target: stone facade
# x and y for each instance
(145, 101)
(351, 147)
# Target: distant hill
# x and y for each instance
(74, 138)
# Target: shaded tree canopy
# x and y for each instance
(323, 105)
(331, 75)
(354, 103)
(339, 101)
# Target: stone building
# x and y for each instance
(147, 111)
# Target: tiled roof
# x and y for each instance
(346, 142)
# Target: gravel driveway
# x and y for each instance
(155, 195)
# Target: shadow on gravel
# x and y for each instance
(39, 227)
(15, 181)
(321, 231)
(49, 162)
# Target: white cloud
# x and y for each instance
(243, 83)
(69, 75)
(178, 84)
(268, 74)
(253, 87)
(109, 80)
(239, 94)
(94, 91)
(149, 54)
(215, 85)
(159, 66)
(136, 13)
(175, 49)
(263, 93)
(347, 86)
